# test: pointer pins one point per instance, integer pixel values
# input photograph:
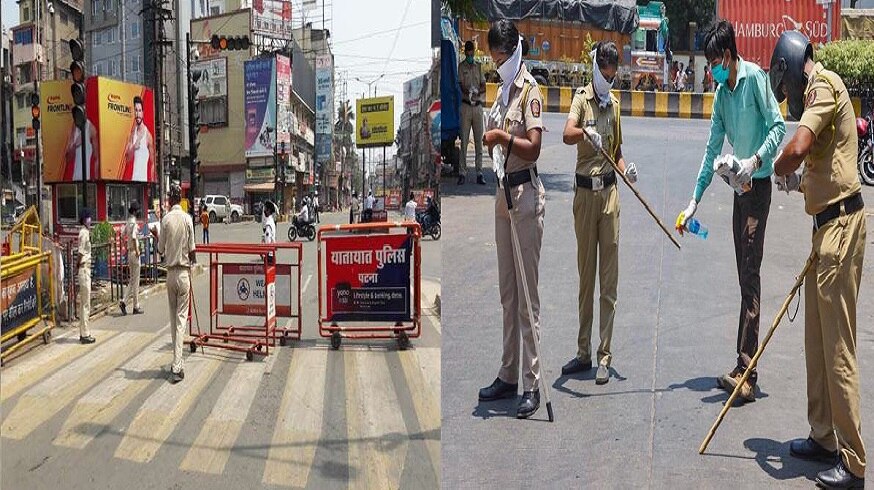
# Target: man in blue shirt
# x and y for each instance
(746, 111)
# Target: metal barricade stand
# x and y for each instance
(250, 289)
(367, 273)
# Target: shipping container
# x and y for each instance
(759, 23)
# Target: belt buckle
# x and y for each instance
(597, 183)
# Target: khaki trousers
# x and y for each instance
(84, 299)
(133, 288)
(472, 117)
(529, 208)
(596, 224)
(178, 295)
(831, 289)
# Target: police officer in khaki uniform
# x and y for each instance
(134, 251)
(473, 90)
(517, 122)
(593, 123)
(85, 276)
(826, 143)
(176, 244)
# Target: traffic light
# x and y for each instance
(235, 43)
(34, 109)
(77, 73)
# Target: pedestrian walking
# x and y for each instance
(826, 144)
(315, 205)
(268, 228)
(85, 276)
(176, 244)
(410, 208)
(592, 124)
(204, 221)
(134, 251)
(354, 208)
(516, 133)
(746, 112)
(473, 89)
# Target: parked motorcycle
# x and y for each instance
(865, 130)
(301, 228)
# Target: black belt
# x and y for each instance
(597, 182)
(472, 103)
(850, 205)
(513, 179)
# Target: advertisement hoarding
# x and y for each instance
(324, 108)
(368, 278)
(413, 93)
(213, 80)
(272, 18)
(283, 98)
(375, 121)
(260, 100)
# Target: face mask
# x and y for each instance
(720, 74)
(87, 222)
(469, 59)
(601, 85)
(508, 71)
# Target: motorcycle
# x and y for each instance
(430, 225)
(865, 130)
(304, 229)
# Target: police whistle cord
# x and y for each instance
(636, 193)
(517, 253)
(798, 282)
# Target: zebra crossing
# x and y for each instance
(118, 386)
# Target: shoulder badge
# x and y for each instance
(535, 107)
(580, 90)
(811, 97)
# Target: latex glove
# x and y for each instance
(631, 172)
(686, 215)
(498, 161)
(595, 138)
(788, 183)
(747, 167)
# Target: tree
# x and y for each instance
(462, 8)
(680, 13)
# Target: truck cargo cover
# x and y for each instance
(616, 15)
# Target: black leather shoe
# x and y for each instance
(812, 451)
(576, 366)
(87, 340)
(177, 377)
(498, 390)
(839, 477)
(123, 308)
(529, 404)
(480, 179)
(460, 179)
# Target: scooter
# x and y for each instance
(304, 229)
(865, 130)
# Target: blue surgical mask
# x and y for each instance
(720, 74)
(469, 59)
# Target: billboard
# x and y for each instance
(283, 99)
(413, 93)
(324, 107)
(119, 134)
(260, 99)
(375, 121)
(272, 18)
(213, 80)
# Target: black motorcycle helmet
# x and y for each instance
(787, 69)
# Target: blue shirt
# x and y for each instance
(750, 117)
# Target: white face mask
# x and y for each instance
(508, 71)
(602, 86)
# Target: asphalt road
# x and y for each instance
(675, 331)
(104, 416)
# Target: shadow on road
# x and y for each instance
(773, 457)
(557, 182)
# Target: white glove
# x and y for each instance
(788, 183)
(747, 167)
(595, 138)
(498, 161)
(687, 214)
(631, 172)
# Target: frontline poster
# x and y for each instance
(260, 99)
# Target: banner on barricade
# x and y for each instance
(18, 300)
(243, 291)
(368, 278)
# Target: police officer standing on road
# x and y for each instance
(826, 142)
(134, 250)
(176, 244)
(593, 123)
(473, 89)
(515, 131)
(354, 208)
(85, 276)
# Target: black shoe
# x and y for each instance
(497, 390)
(460, 179)
(123, 308)
(576, 366)
(87, 340)
(480, 179)
(138, 311)
(839, 477)
(812, 451)
(177, 377)
(529, 404)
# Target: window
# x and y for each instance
(24, 36)
(107, 5)
(69, 200)
(135, 30)
(118, 200)
(25, 14)
(113, 68)
(24, 74)
(220, 201)
(95, 8)
(215, 10)
(134, 65)
(214, 112)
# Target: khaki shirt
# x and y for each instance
(586, 113)
(176, 240)
(470, 75)
(830, 172)
(521, 116)
(84, 248)
(130, 233)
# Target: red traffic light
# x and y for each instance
(34, 111)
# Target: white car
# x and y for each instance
(220, 208)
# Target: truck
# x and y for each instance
(220, 208)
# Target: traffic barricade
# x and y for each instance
(370, 282)
(266, 287)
